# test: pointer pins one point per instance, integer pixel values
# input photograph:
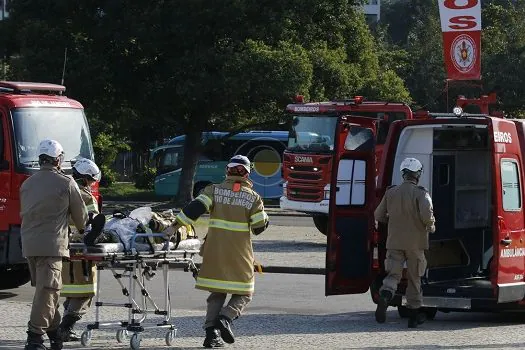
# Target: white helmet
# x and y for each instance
(50, 148)
(411, 164)
(240, 160)
(87, 167)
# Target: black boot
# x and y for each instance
(382, 305)
(414, 318)
(66, 330)
(224, 325)
(55, 338)
(34, 342)
(212, 340)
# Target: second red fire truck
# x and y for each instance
(307, 161)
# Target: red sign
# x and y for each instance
(461, 27)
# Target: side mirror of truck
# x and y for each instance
(4, 165)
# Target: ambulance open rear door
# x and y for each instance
(349, 249)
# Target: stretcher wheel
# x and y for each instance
(170, 336)
(85, 338)
(134, 342)
(122, 334)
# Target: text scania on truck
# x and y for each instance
(474, 170)
(29, 113)
(307, 160)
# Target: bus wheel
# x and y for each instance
(14, 278)
(321, 223)
(198, 187)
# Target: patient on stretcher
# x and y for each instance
(120, 232)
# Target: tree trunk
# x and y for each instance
(192, 147)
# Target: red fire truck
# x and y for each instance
(474, 170)
(29, 113)
(307, 161)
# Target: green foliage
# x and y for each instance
(109, 176)
(145, 179)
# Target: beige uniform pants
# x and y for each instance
(77, 307)
(416, 265)
(46, 277)
(216, 307)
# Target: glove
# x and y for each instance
(171, 230)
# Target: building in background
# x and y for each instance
(372, 9)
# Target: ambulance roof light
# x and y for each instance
(358, 100)
(299, 98)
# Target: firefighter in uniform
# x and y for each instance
(47, 199)
(79, 276)
(227, 253)
(407, 209)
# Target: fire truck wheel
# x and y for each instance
(198, 187)
(321, 223)
(14, 278)
(402, 311)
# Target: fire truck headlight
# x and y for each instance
(292, 168)
(315, 169)
(326, 194)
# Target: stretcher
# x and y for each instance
(133, 269)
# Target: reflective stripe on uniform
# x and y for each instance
(225, 285)
(204, 199)
(229, 225)
(258, 217)
(184, 219)
(91, 208)
(78, 288)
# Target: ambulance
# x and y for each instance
(473, 169)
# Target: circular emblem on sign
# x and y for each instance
(265, 157)
(463, 53)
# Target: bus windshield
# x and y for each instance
(312, 133)
(168, 159)
(65, 125)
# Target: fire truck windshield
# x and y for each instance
(312, 133)
(66, 125)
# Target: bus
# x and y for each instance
(263, 148)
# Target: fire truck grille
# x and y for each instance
(305, 194)
(303, 176)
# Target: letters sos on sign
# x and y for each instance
(461, 27)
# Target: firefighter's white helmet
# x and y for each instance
(50, 148)
(87, 167)
(240, 160)
(411, 164)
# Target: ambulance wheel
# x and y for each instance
(134, 342)
(198, 187)
(14, 278)
(122, 335)
(430, 312)
(321, 223)
(402, 311)
(85, 338)
(170, 336)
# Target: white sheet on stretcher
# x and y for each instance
(187, 244)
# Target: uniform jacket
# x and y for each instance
(47, 199)
(408, 210)
(79, 277)
(236, 211)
